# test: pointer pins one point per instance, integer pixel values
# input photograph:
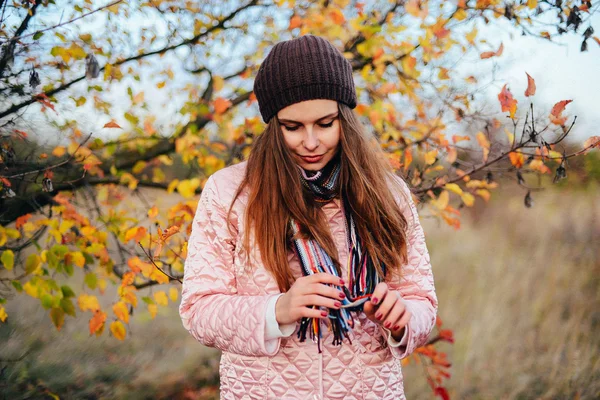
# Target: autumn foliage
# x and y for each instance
(61, 206)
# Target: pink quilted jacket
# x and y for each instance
(224, 307)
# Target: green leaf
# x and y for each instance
(91, 280)
(67, 291)
(32, 263)
(38, 35)
(17, 285)
(67, 306)
(58, 317)
(47, 301)
(8, 259)
(147, 300)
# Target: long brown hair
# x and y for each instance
(273, 178)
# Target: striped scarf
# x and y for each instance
(362, 275)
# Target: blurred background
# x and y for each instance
(114, 114)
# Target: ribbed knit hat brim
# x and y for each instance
(305, 68)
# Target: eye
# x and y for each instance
(290, 129)
(329, 125)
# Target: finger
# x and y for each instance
(324, 277)
(310, 312)
(318, 300)
(377, 297)
(395, 313)
(324, 290)
(379, 293)
(403, 321)
(389, 301)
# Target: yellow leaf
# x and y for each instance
(78, 258)
(161, 85)
(153, 309)
(173, 294)
(88, 302)
(484, 194)
(453, 187)
(121, 311)
(187, 188)
(442, 201)
(3, 314)
(430, 156)
(161, 298)
(118, 330)
(484, 143)
(8, 259)
(31, 289)
(172, 185)
(471, 36)
(510, 136)
(59, 151)
(468, 199)
(532, 4)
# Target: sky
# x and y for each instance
(560, 70)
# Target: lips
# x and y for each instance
(312, 159)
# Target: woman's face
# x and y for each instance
(311, 128)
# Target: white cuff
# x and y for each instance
(272, 328)
(392, 342)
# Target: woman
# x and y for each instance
(297, 239)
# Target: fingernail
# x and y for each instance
(324, 313)
(342, 295)
(338, 304)
(387, 324)
(342, 282)
(378, 315)
(374, 300)
(396, 327)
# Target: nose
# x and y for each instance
(310, 141)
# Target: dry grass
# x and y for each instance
(519, 287)
(521, 290)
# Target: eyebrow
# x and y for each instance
(320, 119)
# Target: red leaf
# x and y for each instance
(530, 86)
(507, 101)
(556, 112)
(442, 392)
(111, 124)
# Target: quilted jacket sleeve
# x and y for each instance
(211, 309)
(416, 284)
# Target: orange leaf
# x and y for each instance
(22, 220)
(490, 54)
(507, 101)
(456, 138)
(516, 159)
(592, 142)
(111, 124)
(221, 105)
(127, 278)
(153, 212)
(337, 16)
(556, 112)
(97, 321)
(295, 22)
(530, 86)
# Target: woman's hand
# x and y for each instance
(387, 308)
(308, 291)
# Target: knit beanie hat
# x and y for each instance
(305, 68)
